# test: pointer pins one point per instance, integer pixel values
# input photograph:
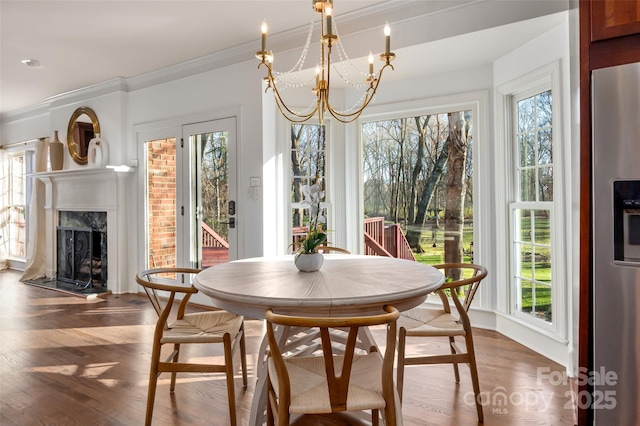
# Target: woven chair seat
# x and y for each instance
(423, 321)
(310, 392)
(440, 322)
(204, 327)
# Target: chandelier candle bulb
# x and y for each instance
(329, 12)
(387, 39)
(370, 63)
(263, 29)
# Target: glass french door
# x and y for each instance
(213, 232)
(190, 195)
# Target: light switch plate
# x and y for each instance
(255, 181)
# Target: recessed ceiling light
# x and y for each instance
(31, 62)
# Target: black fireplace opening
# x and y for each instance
(82, 250)
(80, 257)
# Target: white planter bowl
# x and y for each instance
(309, 262)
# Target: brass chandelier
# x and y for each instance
(329, 39)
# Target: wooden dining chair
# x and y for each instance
(440, 322)
(335, 380)
(329, 249)
(189, 328)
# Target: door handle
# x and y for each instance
(231, 223)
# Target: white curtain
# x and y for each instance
(36, 263)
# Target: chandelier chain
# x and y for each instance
(303, 56)
(344, 58)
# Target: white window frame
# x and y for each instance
(478, 104)
(26, 149)
(284, 139)
(540, 80)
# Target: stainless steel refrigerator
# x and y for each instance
(615, 369)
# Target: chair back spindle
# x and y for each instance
(337, 367)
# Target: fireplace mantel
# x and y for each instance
(89, 189)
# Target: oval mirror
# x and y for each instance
(83, 127)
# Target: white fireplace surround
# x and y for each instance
(90, 189)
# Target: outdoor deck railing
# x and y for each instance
(385, 240)
(211, 238)
(379, 239)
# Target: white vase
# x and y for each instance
(56, 153)
(98, 152)
(309, 262)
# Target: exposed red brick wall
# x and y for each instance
(161, 198)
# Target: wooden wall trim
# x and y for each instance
(584, 415)
(615, 51)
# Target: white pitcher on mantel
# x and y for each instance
(98, 152)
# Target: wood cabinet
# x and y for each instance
(614, 18)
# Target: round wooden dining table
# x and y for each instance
(345, 285)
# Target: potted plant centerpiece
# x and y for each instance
(307, 258)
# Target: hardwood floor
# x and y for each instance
(67, 360)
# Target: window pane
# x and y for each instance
(542, 264)
(527, 150)
(545, 153)
(545, 178)
(524, 224)
(543, 109)
(526, 121)
(543, 302)
(528, 185)
(17, 180)
(17, 234)
(525, 269)
(525, 304)
(542, 227)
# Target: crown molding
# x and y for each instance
(104, 88)
(30, 111)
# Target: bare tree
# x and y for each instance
(436, 160)
(457, 143)
(421, 127)
(214, 180)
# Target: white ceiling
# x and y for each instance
(81, 43)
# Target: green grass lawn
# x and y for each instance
(433, 244)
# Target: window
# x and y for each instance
(308, 154)
(532, 208)
(418, 176)
(14, 223)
